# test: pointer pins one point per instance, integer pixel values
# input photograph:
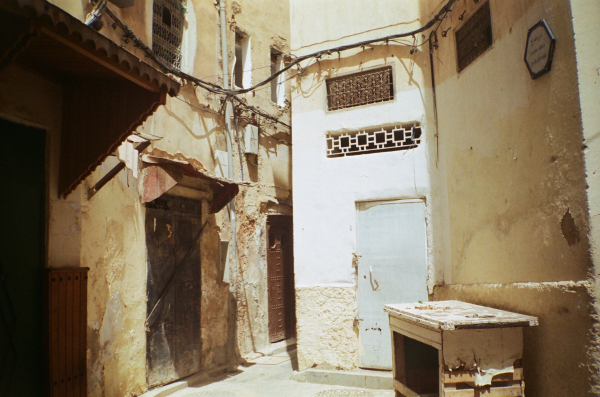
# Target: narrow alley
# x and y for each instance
(300, 198)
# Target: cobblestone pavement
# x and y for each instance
(261, 380)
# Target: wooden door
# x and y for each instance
(392, 268)
(173, 228)
(280, 269)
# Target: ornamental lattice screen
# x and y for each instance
(374, 140)
(167, 31)
(360, 89)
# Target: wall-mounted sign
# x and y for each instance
(539, 50)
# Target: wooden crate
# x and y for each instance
(461, 384)
(441, 326)
(66, 324)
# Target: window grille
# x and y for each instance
(383, 139)
(167, 31)
(474, 37)
(360, 89)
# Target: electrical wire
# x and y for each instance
(128, 34)
(237, 135)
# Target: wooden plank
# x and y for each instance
(450, 315)
(54, 380)
(76, 333)
(62, 321)
(404, 390)
(118, 69)
(82, 362)
(509, 391)
(398, 357)
(428, 336)
(469, 376)
(68, 308)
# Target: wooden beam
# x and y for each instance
(404, 390)
(469, 376)
(112, 173)
(416, 331)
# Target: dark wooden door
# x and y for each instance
(173, 334)
(280, 270)
(22, 250)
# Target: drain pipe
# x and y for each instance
(233, 269)
(232, 334)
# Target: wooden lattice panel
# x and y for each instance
(360, 89)
(167, 31)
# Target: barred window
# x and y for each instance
(360, 89)
(474, 37)
(167, 31)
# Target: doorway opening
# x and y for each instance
(22, 254)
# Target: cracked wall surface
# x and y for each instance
(107, 233)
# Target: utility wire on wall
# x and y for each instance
(128, 34)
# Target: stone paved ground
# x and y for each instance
(260, 380)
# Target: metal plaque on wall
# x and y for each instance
(539, 50)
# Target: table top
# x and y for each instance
(450, 315)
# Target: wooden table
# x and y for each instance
(456, 349)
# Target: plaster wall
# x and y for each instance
(512, 150)
(327, 189)
(585, 15)
(556, 346)
(234, 317)
(338, 23)
(106, 233)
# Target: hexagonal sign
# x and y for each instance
(539, 50)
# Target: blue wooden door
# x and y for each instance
(392, 268)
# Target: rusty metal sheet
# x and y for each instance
(280, 283)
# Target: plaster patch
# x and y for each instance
(111, 322)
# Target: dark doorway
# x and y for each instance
(173, 228)
(22, 250)
(280, 270)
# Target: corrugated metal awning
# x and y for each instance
(108, 92)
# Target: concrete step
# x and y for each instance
(368, 379)
(192, 380)
(285, 346)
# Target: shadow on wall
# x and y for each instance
(388, 52)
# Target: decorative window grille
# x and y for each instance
(383, 139)
(474, 37)
(360, 89)
(167, 31)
